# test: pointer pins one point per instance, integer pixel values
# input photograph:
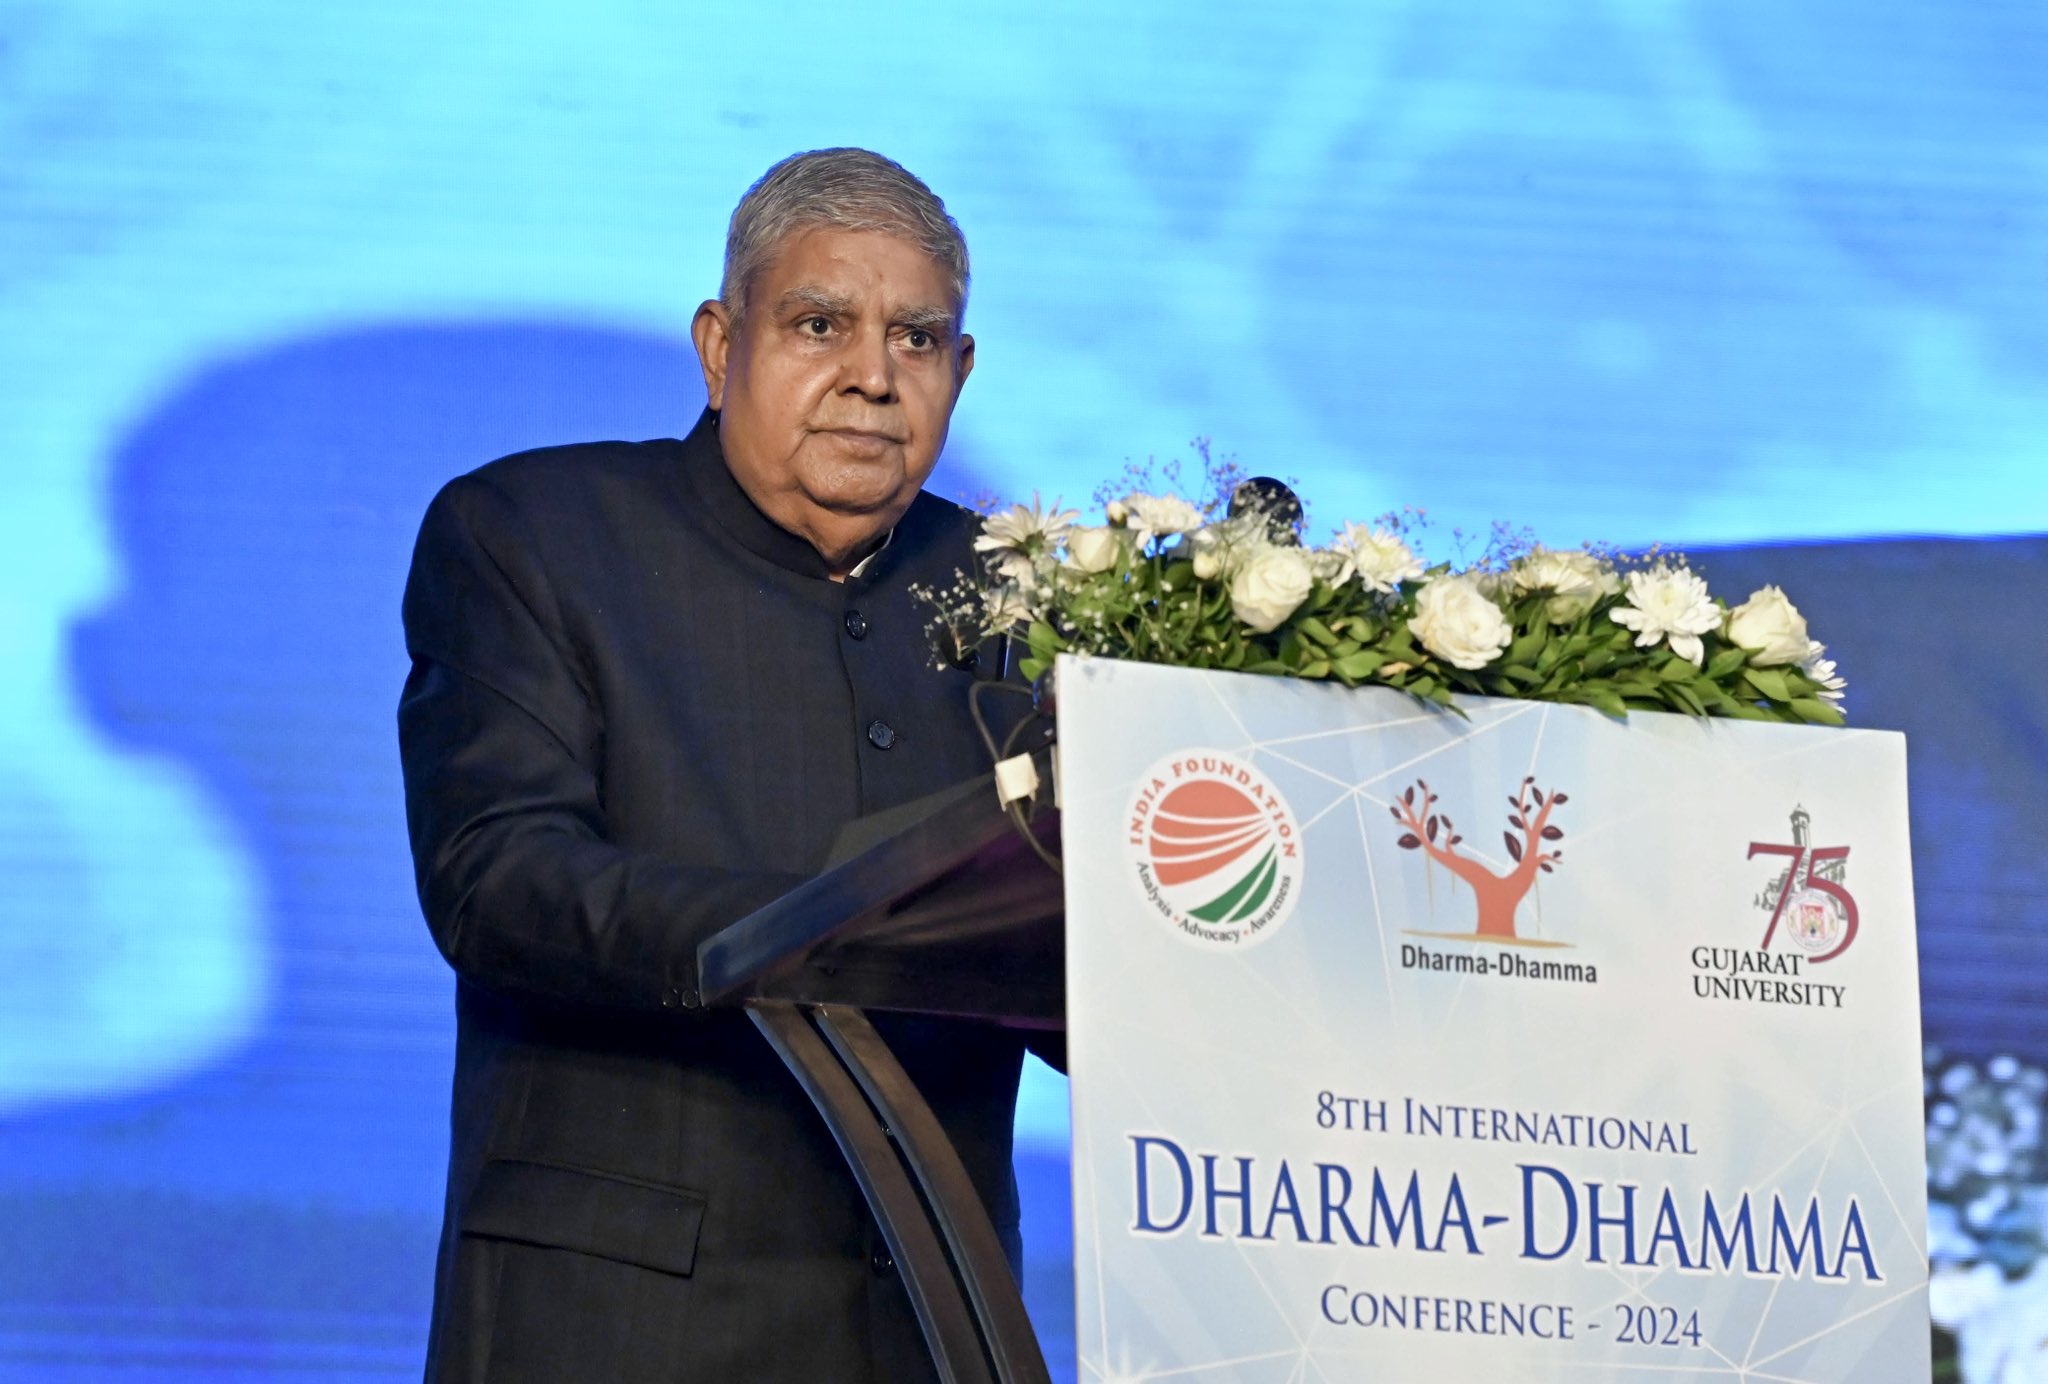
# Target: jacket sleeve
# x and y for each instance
(500, 737)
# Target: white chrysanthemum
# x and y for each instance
(1156, 516)
(1671, 604)
(1575, 581)
(1818, 666)
(1033, 531)
(1377, 557)
(1459, 623)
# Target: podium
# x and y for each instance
(937, 908)
(1515, 1042)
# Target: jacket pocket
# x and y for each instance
(631, 1222)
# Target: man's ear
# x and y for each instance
(966, 359)
(711, 329)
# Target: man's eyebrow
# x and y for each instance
(811, 296)
(938, 321)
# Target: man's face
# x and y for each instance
(835, 389)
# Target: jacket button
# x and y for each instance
(880, 1262)
(856, 625)
(880, 735)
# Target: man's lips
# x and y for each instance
(865, 435)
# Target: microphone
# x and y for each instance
(1272, 501)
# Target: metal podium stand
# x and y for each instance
(947, 912)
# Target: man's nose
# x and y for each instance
(867, 368)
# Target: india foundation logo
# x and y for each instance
(1214, 848)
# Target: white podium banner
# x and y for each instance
(1532, 1046)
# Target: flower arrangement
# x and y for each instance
(1227, 584)
(1987, 1214)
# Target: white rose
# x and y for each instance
(1771, 626)
(1575, 581)
(1490, 583)
(1456, 622)
(1268, 585)
(1005, 607)
(1094, 549)
(1328, 566)
(1207, 564)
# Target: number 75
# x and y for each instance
(1804, 858)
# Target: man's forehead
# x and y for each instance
(836, 269)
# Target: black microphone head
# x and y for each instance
(1273, 501)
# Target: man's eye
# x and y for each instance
(919, 339)
(817, 326)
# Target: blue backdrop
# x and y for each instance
(1747, 279)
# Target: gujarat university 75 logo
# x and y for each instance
(1214, 848)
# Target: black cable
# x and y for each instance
(1014, 810)
(988, 737)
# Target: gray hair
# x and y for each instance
(840, 189)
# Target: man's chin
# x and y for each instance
(853, 491)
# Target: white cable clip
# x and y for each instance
(1016, 779)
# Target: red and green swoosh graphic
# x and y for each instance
(1211, 841)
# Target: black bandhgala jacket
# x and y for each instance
(637, 711)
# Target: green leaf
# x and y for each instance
(1315, 629)
(1363, 663)
(1030, 668)
(1314, 668)
(1600, 696)
(1769, 682)
(1722, 664)
(1526, 647)
(1684, 699)
(1817, 712)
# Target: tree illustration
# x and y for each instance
(1529, 843)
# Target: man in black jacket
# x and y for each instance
(649, 683)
